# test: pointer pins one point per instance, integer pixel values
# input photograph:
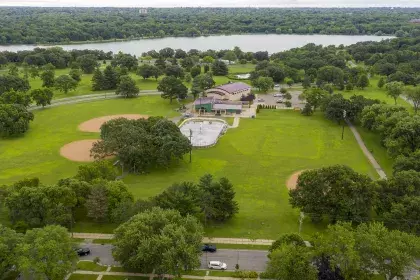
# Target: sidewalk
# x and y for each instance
(219, 240)
(365, 150)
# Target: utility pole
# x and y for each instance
(302, 216)
(191, 144)
(344, 121)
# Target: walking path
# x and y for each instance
(219, 240)
(365, 150)
(89, 98)
(235, 122)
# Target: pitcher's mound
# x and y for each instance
(78, 150)
(292, 181)
(94, 125)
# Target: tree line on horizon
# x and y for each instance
(30, 25)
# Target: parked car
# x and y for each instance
(187, 115)
(278, 95)
(82, 251)
(209, 248)
(279, 101)
(260, 100)
(217, 265)
(276, 85)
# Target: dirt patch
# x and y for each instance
(78, 150)
(94, 125)
(292, 181)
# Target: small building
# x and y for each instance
(416, 20)
(217, 106)
(229, 91)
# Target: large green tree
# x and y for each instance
(127, 87)
(16, 97)
(16, 83)
(413, 94)
(65, 83)
(172, 88)
(48, 78)
(46, 253)
(201, 83)
(291, 262)
(404, 138)
(42, 97)
(394, 90)
(336, 191)
(155, 142)
(159, 240)
(14, 119)
(330, 74)
(9, 240)
(219, 68)
(100, 169)
(87, 63)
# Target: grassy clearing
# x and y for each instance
(241, 246)
(83, 277)
(119, 277)
(258, 157)
(241, 68)
(37, 152)
(90, 266)
(197, 273)
(221, 273)
(278, 143)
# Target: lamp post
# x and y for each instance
(301, 217)
(191, 144)
(344, 120)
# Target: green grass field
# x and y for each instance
(83, 277)
(90, 266)
(258, 157)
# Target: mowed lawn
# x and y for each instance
(258, 157)
(37, 152)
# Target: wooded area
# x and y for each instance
(24, 25)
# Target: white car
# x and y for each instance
(260, 100)
(278, 95)
(217, 265)
(280, 101)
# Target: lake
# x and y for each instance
(259, 42)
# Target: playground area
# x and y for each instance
(203, 132)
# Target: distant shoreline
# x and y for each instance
(156, 38)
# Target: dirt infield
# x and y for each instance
(94, 125)
(292, 181)
(78, 150)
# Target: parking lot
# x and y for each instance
(269, 99)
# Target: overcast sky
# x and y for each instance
(214, 3)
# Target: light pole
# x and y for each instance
(302, 216)
(191, 144)
(344, 120)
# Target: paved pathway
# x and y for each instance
(235, 122)
(365, 150)
(220, 240)
(89, 98)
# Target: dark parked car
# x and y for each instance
(209, 248)
(83, 251)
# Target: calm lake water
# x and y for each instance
(262, 42)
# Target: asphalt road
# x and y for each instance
(248, 259)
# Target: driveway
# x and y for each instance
(248, 259)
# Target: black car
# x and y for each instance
(83, 251)
(209, 248)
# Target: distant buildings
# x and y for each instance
(416, 20)
(230, 91)
(217, 106)
(143, 11)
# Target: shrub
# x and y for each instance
(245, 274)
(283, 90)
(307, 110)
(96, 260)
(288, 104)
(265, 275)
(242, 61)
(288, 96)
